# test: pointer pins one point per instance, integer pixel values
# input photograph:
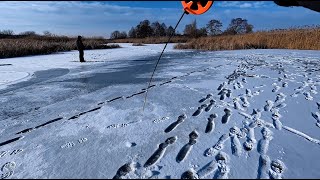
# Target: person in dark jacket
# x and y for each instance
(80, 47)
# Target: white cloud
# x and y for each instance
(101, 18)
(245, 5)
(242, 4)
(98, 18)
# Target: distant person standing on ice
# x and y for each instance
(80, 47)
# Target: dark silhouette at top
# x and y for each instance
(80, 47)
(313, 5)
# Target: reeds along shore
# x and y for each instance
(17, 46)
(303, 39)
(153, 40)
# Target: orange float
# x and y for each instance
(196, 7)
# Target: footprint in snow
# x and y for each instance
(209, 107)
(280, 98)
(221, 86)
(264, 161)
(223, 167)
(82, 140)
(316, 116)
(235, 143)
(124, 170)
(276, 89)
(68, 145)
(263, 144)
(244, 80)
(199, 110)
(175, 124)
(256, 113)
(318, 105)
(245, 102)
(158, 154)
(236, 104)
(218, 146)
(281, 105)
(190, 174)
(206, 98)
(284, 84)
(7, 170)
(277, 169)
(211, 124)
(239, 84)
(229, 92)
(249, 93)
(226, 116)
(208, 169)
(160, 120)
(185, 150)
(308, 96)
(268, 106)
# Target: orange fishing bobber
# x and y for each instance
(196, 7)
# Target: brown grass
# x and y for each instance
(152, 40)
(304, 39)
(37, 45)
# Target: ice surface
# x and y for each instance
(72, 120)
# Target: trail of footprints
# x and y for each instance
(303, 89)
(7, 153)
(28, 130)
(219, 168)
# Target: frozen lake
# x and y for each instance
(226, 114)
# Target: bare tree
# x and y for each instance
(115, 35)
(132, 33)
(123, 35)
(28, 33)
(6, 32)
(47, 33)
(170, 31)
(214, 27)
(202, 32)
(164, 29)
(157, 29)
(239, 26)
(191, 29)
(144, 29)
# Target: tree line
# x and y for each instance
(9, 32)
(213, 28)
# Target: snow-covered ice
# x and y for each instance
(63, 119)
(22, 68)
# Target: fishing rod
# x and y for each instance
(189, 7)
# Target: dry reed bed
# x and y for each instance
(17, 47)
(304, 39)
(152, 40)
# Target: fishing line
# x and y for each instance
(145, 98)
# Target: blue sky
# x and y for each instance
(101, 18)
